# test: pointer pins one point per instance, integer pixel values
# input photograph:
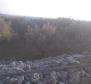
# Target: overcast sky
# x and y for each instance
(76, 9)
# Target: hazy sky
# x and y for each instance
(77, 9)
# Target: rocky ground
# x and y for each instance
(63, 69)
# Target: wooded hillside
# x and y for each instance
(25, 38)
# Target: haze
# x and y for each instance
(76, 9)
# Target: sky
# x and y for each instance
(75, 9)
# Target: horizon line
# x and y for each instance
(54, 18)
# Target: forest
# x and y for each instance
(28, 38)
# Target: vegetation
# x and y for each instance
(25, 38)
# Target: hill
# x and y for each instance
(24, 38)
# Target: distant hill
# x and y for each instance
(25, 38)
